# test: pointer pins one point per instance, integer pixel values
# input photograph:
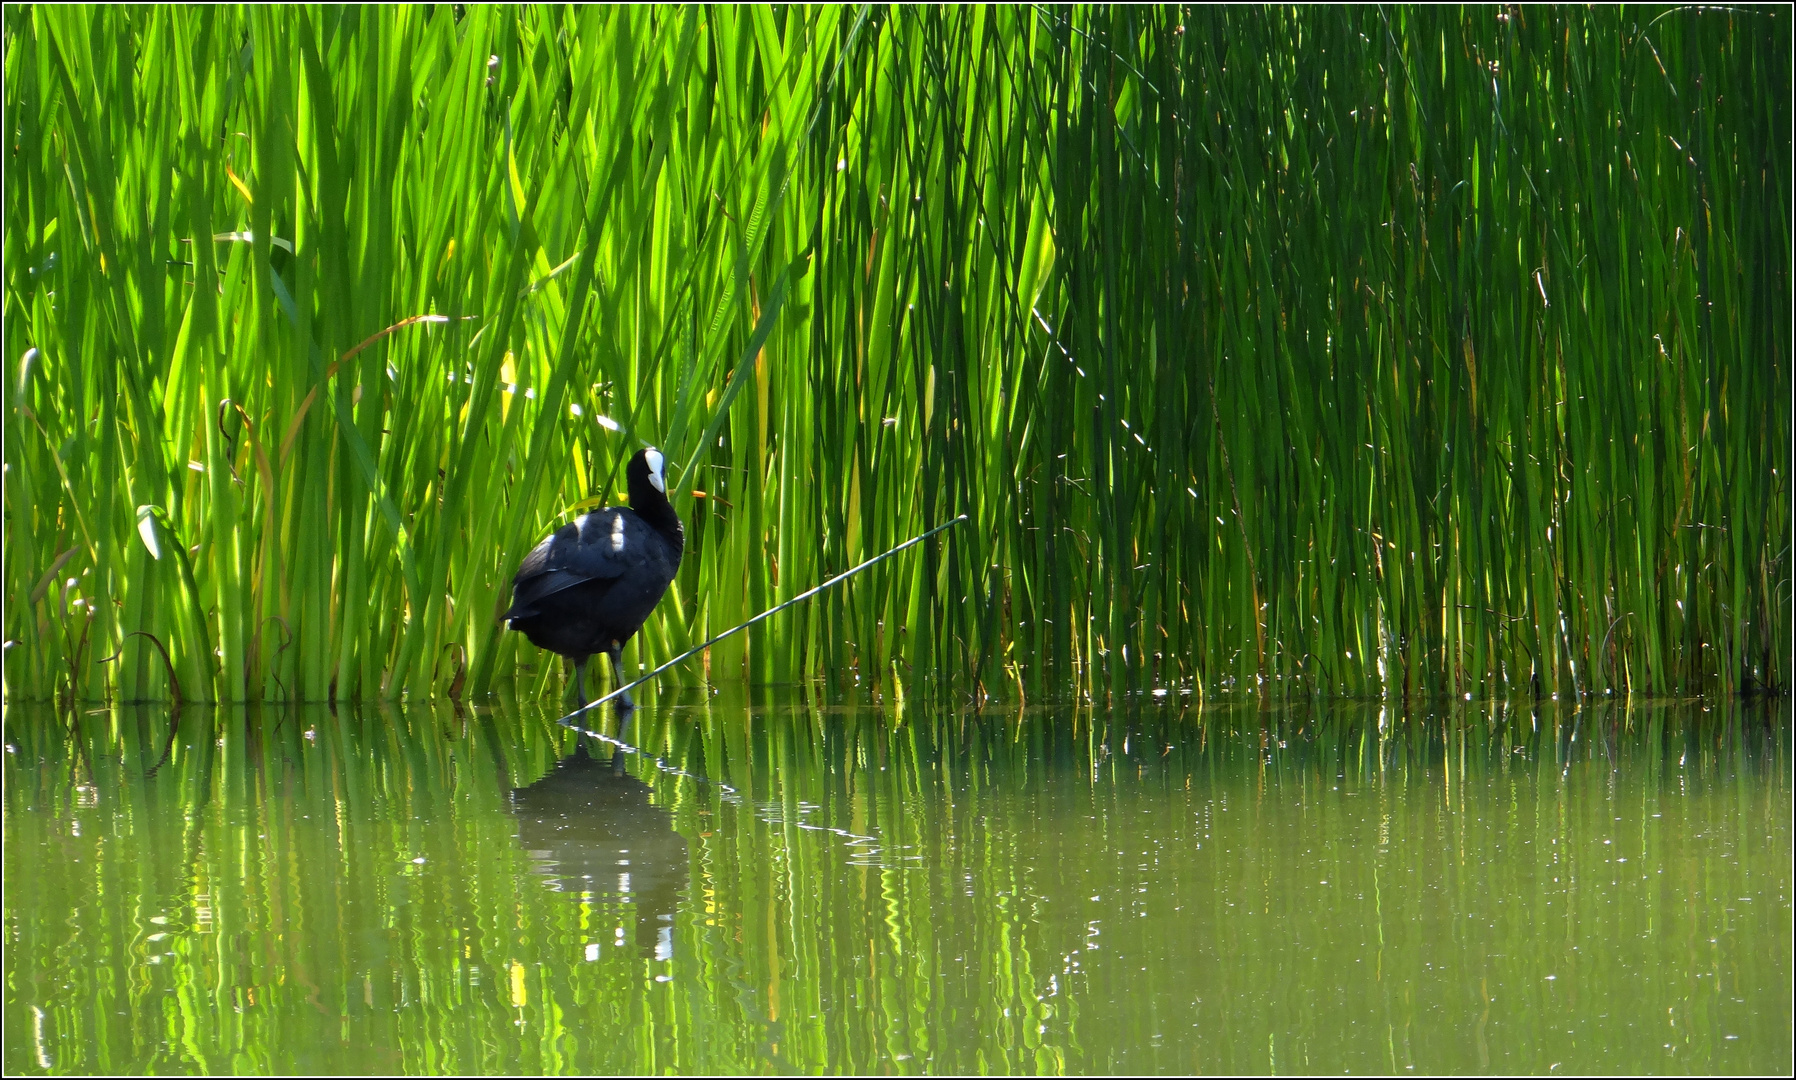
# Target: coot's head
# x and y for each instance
(648, 497)
(645, 473)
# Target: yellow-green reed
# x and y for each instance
(1343, 351)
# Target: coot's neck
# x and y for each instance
(652, 506)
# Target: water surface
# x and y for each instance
(779, 886)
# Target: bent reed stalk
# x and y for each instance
(624, 687)
(1362, 351)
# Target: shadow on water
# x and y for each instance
(593, 831)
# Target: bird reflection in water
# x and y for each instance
(591, 830)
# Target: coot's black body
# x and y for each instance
(588, 588)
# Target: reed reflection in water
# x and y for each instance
(849, 888)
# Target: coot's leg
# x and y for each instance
(580, 679)
(617, 672)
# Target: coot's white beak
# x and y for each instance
(655, 475)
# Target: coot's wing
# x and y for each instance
(596, 547)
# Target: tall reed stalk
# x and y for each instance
(1368, 351)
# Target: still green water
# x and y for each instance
(778, 886)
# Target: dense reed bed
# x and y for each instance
(1330, 351)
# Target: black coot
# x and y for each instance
(587, 588)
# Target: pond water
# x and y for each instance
(775, 885)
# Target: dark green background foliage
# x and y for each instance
(1363, 351)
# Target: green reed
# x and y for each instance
(1369, 352)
